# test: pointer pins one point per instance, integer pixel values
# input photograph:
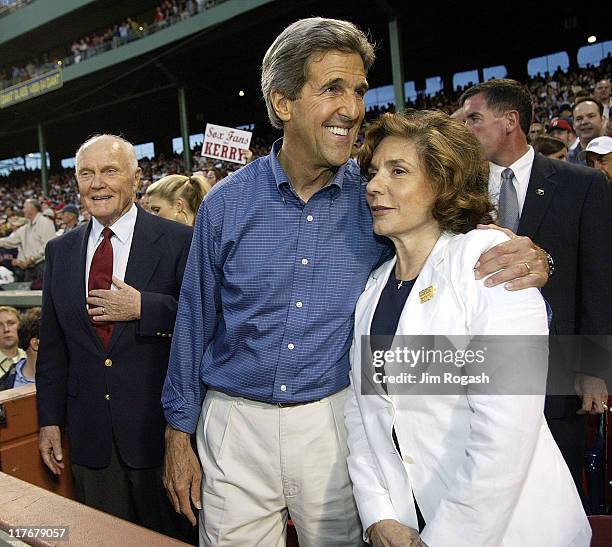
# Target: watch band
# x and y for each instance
(551, 263)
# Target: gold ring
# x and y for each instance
(528, 268)
(605, 406)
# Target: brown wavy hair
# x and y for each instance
(451, 158)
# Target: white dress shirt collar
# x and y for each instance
(122, 228)
(522, 172)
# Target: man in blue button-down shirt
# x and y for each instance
(282, 250)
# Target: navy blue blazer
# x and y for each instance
(100, 394)
(568, 212)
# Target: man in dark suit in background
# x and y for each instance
(567, 210)
(104, 352)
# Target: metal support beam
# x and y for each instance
(397, 64)
(182, 99)
(44, 172)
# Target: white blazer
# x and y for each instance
(485, 470)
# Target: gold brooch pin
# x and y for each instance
(427, 294)
(540, 192)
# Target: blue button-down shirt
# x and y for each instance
(267, 301)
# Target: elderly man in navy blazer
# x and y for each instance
(109, 304)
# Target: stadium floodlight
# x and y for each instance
(592, 39)
(241, 93)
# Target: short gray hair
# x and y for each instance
(34, 203)
(127, 145)
(285, 64)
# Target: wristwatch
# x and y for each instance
(551, 263)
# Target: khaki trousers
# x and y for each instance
(262, 462)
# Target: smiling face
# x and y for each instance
(107, 179)
(398, 192)
(587, 121)
(321, 125)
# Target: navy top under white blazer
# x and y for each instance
(116, 393)
(485, 470)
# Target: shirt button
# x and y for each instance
(290, 346)
(107, 397)
(304, 261)
(283, 387)
(298, 304)
(309, 218)
(408, 459)
(108, 363)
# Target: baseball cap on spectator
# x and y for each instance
(600, 145)
(562, 124)
(70, 209)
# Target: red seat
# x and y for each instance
(602, 530)
(292, 539)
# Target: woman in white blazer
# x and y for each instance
(464, 469)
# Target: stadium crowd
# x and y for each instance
(554, 94)
(167, 13)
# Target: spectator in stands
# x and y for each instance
(428, 192)
(177, 197)
(565, 111)
(281, 252)
(542, 198)
(214, 175)
(602, 92)
(550, 147)
(70, 219)
(10, 352)
(103, 358)
(30, 240)
(85, 215)
(535, 130)
(25, 369)
(144, 202)
(49, 213)
(599, 155)
(562, 129)
(588, 122)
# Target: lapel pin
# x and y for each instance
(427, 294)
(540, 192)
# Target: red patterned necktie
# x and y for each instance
(100, 277)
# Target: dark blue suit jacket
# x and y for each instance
(568, 212)
(116, 393)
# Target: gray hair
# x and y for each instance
(34, 203)
(285, 64)
(127, 145)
